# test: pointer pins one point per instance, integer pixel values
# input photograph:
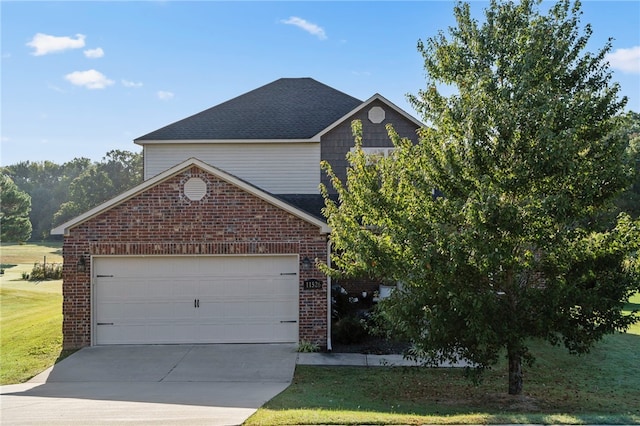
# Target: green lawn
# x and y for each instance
(634, 304)
(602, 387)
(30, 314)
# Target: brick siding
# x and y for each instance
(162, 221)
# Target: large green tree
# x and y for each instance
(494, 221)
(14, 211)
(117, 172)
(61, 192)
(48, 185)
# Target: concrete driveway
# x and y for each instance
(159, 384)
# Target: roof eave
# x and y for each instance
(142, 142)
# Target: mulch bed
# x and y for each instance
(372, 345)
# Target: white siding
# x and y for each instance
(279, 168)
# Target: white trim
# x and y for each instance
(313, 139)
(363, 105)
(92, 300)
(65, 227)
(329, 304)
(383, 151)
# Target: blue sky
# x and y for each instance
(82, 78)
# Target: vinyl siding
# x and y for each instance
(279, 168)
(339, 140)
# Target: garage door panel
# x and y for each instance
(229, 287)
(115, 334)
(242, 333)
(265, 310)
(195, 299)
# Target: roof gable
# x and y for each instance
(361, 106)
(288, 108)
(64, 228)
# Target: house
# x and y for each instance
(221, 241)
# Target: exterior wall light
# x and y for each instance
(306, 263)
(82, 264)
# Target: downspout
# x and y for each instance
(329, 307)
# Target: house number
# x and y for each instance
(312, 284)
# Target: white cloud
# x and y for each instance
(127, 83)
(4, 139)
(164, 96)
(90, 79)
(45, 44)
(94, 53)
(625, 60)
(307, 26)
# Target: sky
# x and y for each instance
(79, 79)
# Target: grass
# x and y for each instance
(599, 388)
(634, 304)
(30, 314)
(19, 258)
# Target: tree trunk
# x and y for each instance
(515, 371)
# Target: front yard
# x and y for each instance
(598, 388)
(30, 313)
(601, 387)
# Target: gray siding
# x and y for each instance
(337, 142)
(278, 168)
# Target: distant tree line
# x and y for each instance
(14, 211)
(60, 192)
(629, 201)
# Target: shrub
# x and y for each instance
(4, 266)
(306, 346)
(44, 271)
(349, 330)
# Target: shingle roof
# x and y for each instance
(288, 108)
(311, 203)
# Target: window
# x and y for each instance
(376, 152)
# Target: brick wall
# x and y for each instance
(163, 221)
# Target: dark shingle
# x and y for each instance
(311, 203)
(288, 108)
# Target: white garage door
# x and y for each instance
(207, 299)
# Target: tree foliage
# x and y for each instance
(14, 212)
(48, 185)
(529, 156)
(118, 171)
(61, 192)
